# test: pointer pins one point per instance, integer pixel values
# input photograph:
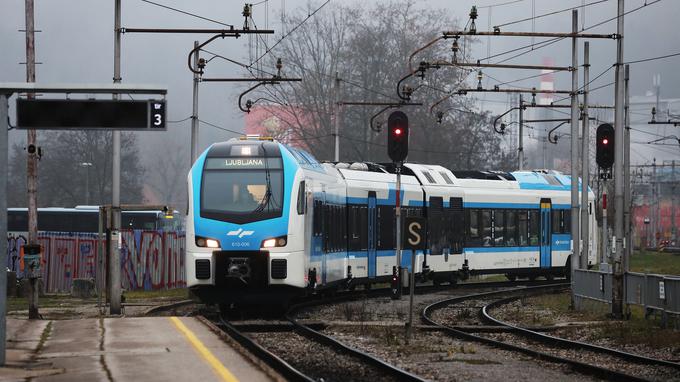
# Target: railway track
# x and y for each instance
(299, 351)
(586, 358)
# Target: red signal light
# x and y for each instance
(605, 141)
(397, 131)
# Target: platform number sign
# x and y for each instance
(157, 114)
(414, 233)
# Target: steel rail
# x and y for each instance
(399, 374)
(597, 371)
(569, 343)
(271, 359)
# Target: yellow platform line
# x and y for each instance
(217, 366)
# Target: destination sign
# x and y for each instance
(247, 163)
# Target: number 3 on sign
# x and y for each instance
(158, 120)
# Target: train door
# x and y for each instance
(372, 229)
(545, 240)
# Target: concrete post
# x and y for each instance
(585, 163)
(338, 108)
(194, 112)
(628, 233)
(520, 147)
(617, 249)
(114, 261)
(574, 153)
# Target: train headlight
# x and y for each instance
(210, 243)
(280, 241)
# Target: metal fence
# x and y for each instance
(651, 291)
(593, 285)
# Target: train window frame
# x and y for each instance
(486, 225)
(523, 225)
(473, 218)
(511, 225)
(499, 240)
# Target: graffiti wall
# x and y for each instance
(149, 259)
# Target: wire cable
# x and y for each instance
(187, 13)
(549, 14)
(181, 120)
(310, 15)
(652, 58)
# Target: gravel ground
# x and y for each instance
(467, 313)
(590, 331)
(377, 328)
(316, 360)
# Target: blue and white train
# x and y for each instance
(268, 220)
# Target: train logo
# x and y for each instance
(240, 233)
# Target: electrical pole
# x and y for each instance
(338, 108)
(628, 245)
(194, 110)
(585, 162)
(574, 154)
(114, 260)
(520, 148)
(32, 164)
(617, 244)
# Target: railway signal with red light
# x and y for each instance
(397, 136)
(605, 146)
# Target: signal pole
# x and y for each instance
(617, 249)
(574, 155)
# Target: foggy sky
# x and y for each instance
(76, 45)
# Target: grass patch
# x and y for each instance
(48, 301)
(167, 294)
(655, 262)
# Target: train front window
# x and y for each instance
(241, 190)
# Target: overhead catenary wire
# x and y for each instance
(530, 47)
(549, 14)
(652, 58)
(310, 15)
(187, 13)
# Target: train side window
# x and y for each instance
(556, 221)
(534, 227)
(301, 200)
(511, 228)
(386, 227)
(457, 224)
(474, 232)
(316, 217)
(435, 224)
(499, 228)
(487, 228)
(522, 227)
(17, 221)
(566, 220)
(363, 220)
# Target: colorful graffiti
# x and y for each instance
(149, 259)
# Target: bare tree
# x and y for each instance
(368, 48)
(76, 168)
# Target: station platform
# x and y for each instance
(124, 349)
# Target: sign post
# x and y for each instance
(416, 227)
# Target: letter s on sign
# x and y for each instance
(414, 237)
